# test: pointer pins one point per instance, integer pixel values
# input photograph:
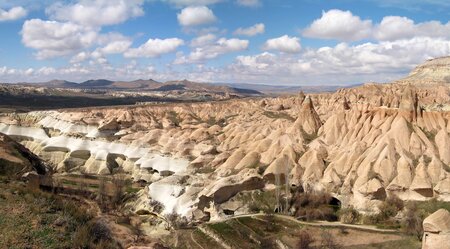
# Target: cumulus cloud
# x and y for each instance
(197, 15)
(53, 39)
(12, 14)
(343, 63)
(154, 48)
(96, 12)
(258, 28)
(284, 44)
(344, 26)
(249, 3)
(210, 51)
(339, 25)
(397, 27)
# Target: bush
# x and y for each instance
(175, 221)
(95, 234)
(412, 221)
(304, 240)
(348, 215)
(314, 206)
(390, 207)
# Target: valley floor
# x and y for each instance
(260, 231)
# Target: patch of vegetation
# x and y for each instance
(389, 208)
(406, 243)
(349, 215)
(8, 168)
(173, 117)
(305, 240)
(278, 115)
(431, 206)
(314, 206)
(259, 200)
(30, 218)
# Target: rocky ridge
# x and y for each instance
(361, 144)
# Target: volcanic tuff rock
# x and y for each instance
(361, 144)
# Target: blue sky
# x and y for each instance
(289, 42)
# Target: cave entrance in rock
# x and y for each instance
(335, 203)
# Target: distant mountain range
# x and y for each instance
(185, 85)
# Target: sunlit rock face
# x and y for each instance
(436, 228)
(361, 144)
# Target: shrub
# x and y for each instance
(175, 221)
(412, 221)
(390, 207)
(95, 234)
(348, 215)
(314, 206)
(304, 240)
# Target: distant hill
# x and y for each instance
(283, 89)
(150, 85)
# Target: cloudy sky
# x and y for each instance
(286, 42)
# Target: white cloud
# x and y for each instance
(183, 3)
(12, 14)
(154, 48)
(80, 57)
(96, 12)
(344, 26)
(284, 44)
(211, 51)
(194, 16)
(53, 39)
(397, 27)
(339, 25)
(113, 43)
(258, 28)
(341, 64)
(203, 40)
(249, 3)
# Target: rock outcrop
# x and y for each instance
(436, 229)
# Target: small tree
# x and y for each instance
(412, 221)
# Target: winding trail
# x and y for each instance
(317, 224)
(195, 241)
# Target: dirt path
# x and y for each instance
(195, 241)
(317, 224)
(214, 237)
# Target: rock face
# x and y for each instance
(361, 144)
(436, 229)
(433, 71)
(15, 159)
